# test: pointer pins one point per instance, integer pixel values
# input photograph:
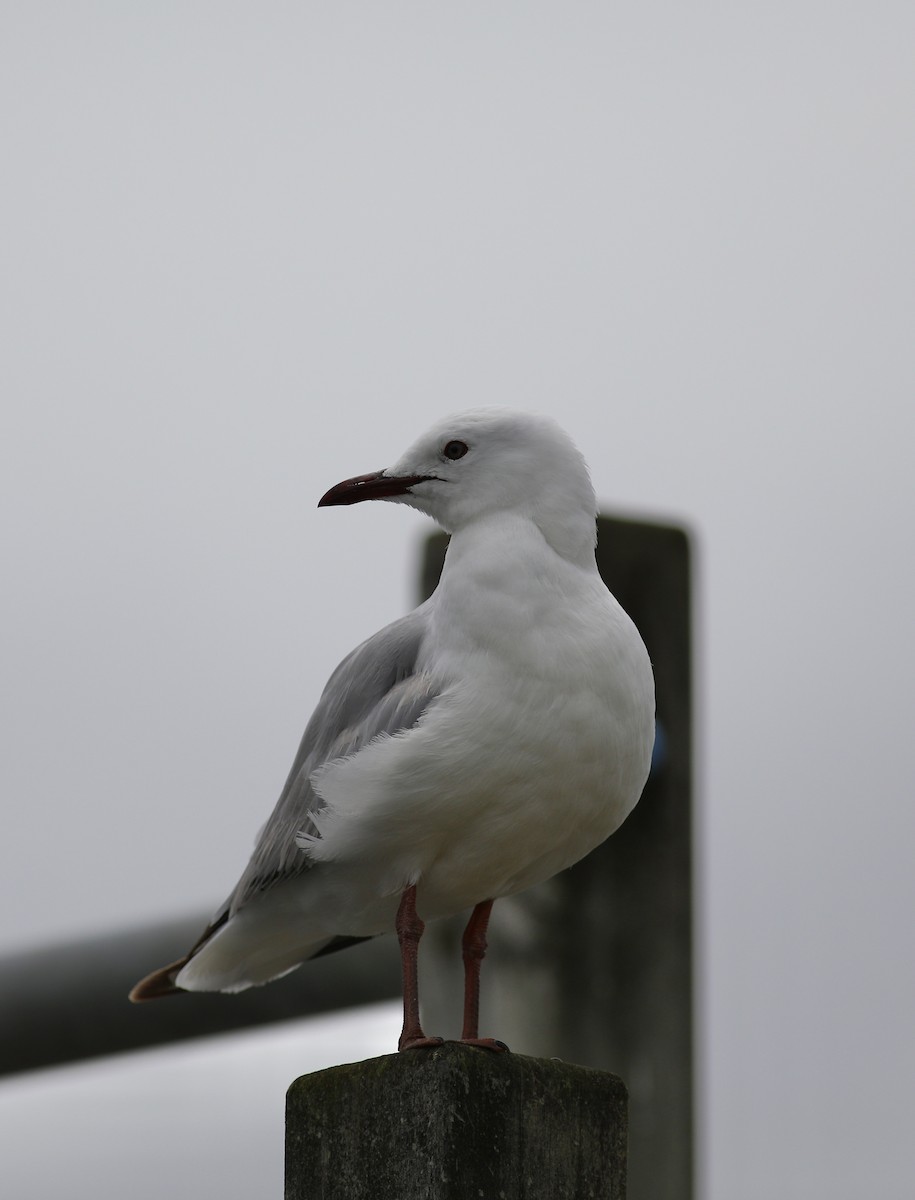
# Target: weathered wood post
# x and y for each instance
(456, 1123)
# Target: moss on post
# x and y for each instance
(455, 1123)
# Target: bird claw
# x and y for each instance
(485, 1044)
(418, 1043)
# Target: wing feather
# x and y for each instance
(377, 689)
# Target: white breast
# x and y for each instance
(536, 750)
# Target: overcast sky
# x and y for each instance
(249, 250)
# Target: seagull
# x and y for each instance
(475, 747)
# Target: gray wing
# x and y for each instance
(377, 689)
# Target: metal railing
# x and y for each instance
(67, 1002)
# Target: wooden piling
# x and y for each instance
(456, 1123)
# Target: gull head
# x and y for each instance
(486, 463)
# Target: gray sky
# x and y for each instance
(248, 250)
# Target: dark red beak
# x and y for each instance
(375, 486)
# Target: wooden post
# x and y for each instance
(456, 1123)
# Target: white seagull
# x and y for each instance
(477, 746)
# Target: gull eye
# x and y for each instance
(455, 449)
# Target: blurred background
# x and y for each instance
(249, 250)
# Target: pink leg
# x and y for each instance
(409, 929)
(473, 945)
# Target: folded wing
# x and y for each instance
(378, 689)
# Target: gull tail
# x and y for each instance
(158, 983)
(162, 982)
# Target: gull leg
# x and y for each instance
(409, 929)
(473, 945)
